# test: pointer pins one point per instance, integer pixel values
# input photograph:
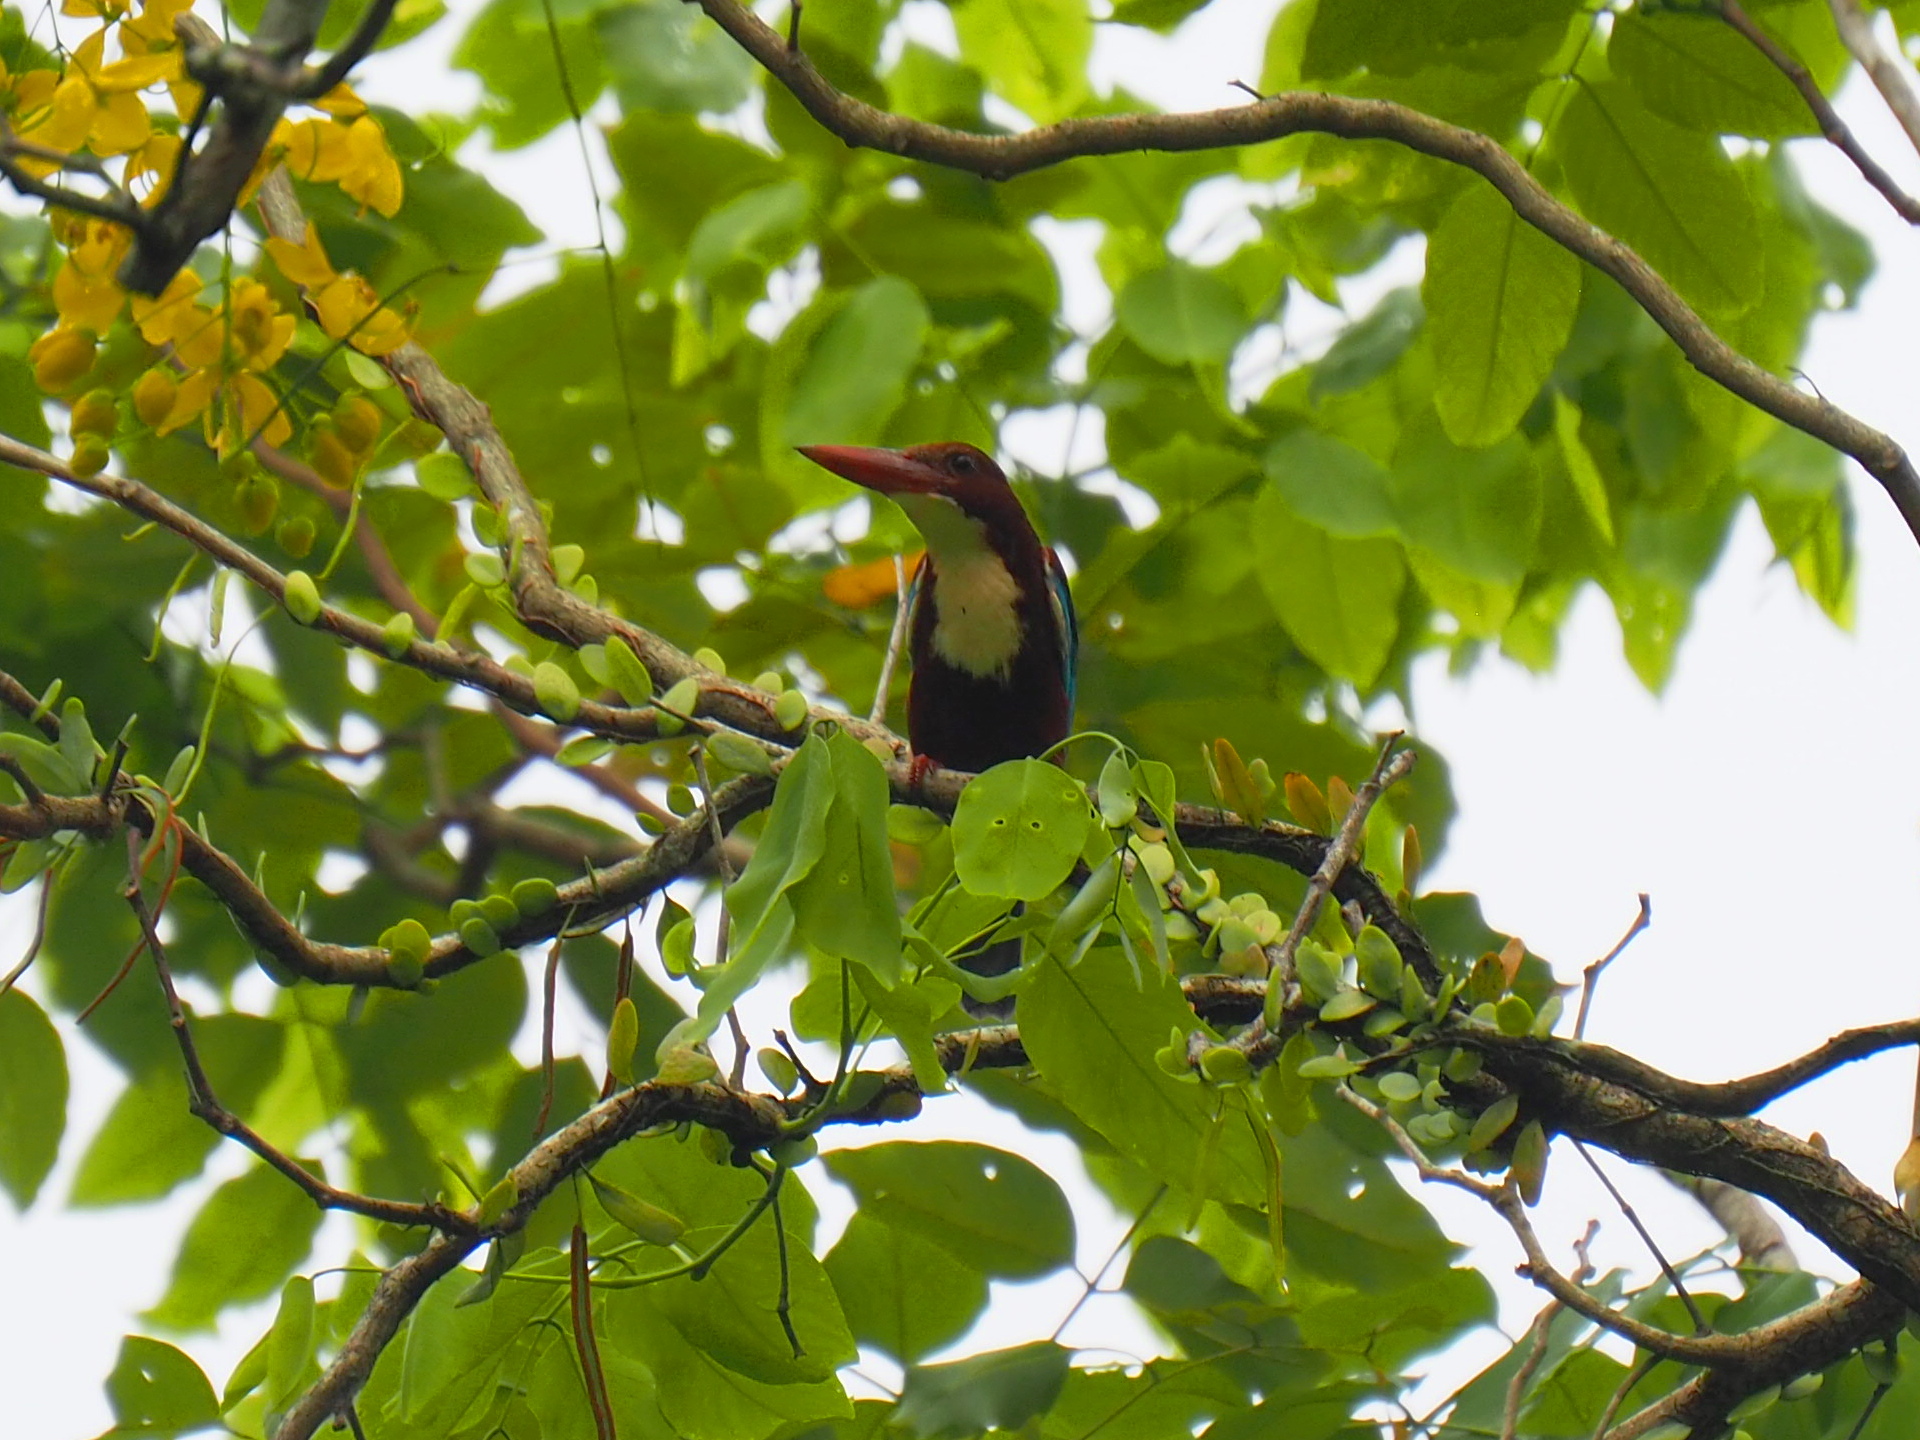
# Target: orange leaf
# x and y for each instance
(855, 587)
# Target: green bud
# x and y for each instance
(623, 1034)
(553, 687)
(499, 911)
(779, 1069)
(687, 1065)
(479, 937)
(790, 709)
(396, 636)
(1225, 1065)
(535, 895)
(301, 597)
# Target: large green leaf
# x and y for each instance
(1032, 52)
(1181, 314)
(845, 904)
(1328, 482)
(1696, 70)
(33, 1096)
(1500, 300)
(1002, 1391)
(989, 1209)
(1670, 193)
(1018, 830)
(905, 1294)
(1092, 1031)
(1339, 599)
(157, 1390)
(150, 1141)
(246, 1239)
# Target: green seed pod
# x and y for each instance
(626, 673)
(258, 501)
(90, 456)
(1529, 1163)
(648, 1223)
(535, 895)
(793, 1153)
(1225, 1065)
(771, 682)
(779, 1069)
(738, 753)
(295, 535)
(397, 635)
(1087, 906)
(499, 911)
(301, 597)
(686, 1065)
(1513, 1015)
(553, 687)
(479, 937)
(709, 658)
(623, 1033)
(95, 413)
(497, 1201)
(790, 709)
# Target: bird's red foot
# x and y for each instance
(917, 772)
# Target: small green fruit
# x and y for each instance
(301, 597)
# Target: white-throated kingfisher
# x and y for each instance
(991, 633)
(990, 629)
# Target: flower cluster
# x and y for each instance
(216, 350)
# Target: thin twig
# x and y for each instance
(1257, 1041)
(1700, 1325)
(1505, 1202)
(12, 977)
(1590, 977)
(1003, 156)
(1832, 127)
(1891, 79)
(896, 638)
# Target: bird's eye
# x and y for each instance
(961, 463)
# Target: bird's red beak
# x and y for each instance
(888, 471)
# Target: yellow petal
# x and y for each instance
(193, 396)
(138, 72)
(260, 409)
(121, 125)
(304, 264)
(64, 124)
(92, 302)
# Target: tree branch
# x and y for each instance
(1889, 78)
(1832, 127)
(1000, 157)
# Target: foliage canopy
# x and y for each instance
(479, 545)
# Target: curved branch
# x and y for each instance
(1000, 157)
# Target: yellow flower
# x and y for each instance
(352, 155)
(85, 292)
(97, 104)
(345, 305)
(60, 357)
(259, 332)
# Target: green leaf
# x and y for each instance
(1698, 71)
(1091, 1032)
(157, 1390)
(909, 1012)
(33, 1096)
(1367, 350)
(759, 228)
(1670, 193)
(150, 1141)
(1331, 484)
(760, 901)
(902, 1292)
(1001, 1390)
(729, 1315)
(1338, 599)
(1019, 829)
(989, 1209)
(290, 1343)
(1180, 314)
(844, 904)
(661, 56)
(841, 369)
(1477, 511)
(1588, 485)
(251, 1232)
(1501, 297)
(1032, 52)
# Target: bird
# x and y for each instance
(991, 632)
(992, 636)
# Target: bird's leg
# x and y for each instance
(918, 769)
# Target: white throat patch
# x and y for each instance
(976, 626)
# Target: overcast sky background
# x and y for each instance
(1769, 802)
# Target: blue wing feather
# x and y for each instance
(1062, 599)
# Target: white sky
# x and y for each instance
(1766, 802)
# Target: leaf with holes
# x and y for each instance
(1018, 830)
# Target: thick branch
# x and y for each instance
(1891, 79)
(1000, 157)
(1832, 127)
